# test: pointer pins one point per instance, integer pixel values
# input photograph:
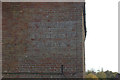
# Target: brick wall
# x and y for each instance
(39, 39)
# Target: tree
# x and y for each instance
(101, 75)
(90, 71)
(110, 74)
(90, 75)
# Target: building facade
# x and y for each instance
(43, 39)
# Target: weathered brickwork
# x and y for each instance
(43, 40)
